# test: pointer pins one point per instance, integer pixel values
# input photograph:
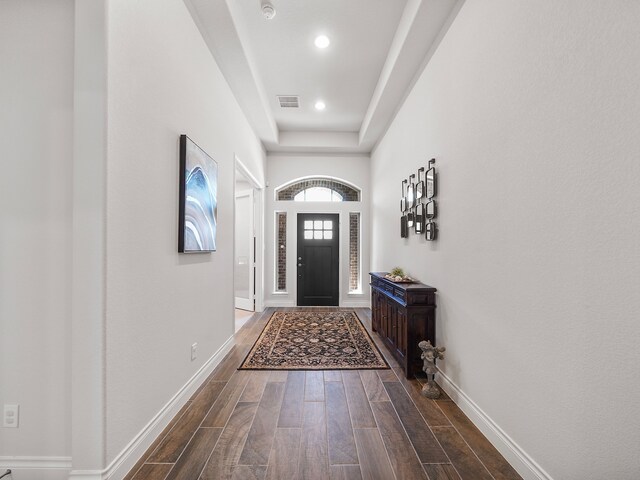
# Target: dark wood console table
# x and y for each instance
(403, 314)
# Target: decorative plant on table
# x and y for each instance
(398, 275)
(397, 272)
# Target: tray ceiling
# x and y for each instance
(377, 47)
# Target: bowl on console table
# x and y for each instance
(399, 279)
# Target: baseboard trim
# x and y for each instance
(44, 468)
(348, 304)
(278, 304)
(130, 455)
(87, 474)
(355, 304)
(512, 452)
(35, 463)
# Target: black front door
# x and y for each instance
(317, 260)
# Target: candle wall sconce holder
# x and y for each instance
(431, 231)
(419, 221)
(403, 198)
(420, 187)
(418, 204)
(411, 193)
(431, 210)
(411, 218)
(431, 180)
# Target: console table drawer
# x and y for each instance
(401, 294)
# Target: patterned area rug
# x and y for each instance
(314, 340)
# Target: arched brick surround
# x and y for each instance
(349, 193)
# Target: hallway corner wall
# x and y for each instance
(36, 134)
(531, 112)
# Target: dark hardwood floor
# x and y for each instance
(336, 425)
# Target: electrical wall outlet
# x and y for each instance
(194, 351)
(11, 416)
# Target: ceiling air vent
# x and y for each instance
(288, 101)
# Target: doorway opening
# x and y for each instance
(247, 237)
(318, 259)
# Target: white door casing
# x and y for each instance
(244, 261)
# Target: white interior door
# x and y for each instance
(245, 251)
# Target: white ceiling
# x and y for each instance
(377, 49)
(344, 74)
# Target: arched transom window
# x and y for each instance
(317, 194)
(318, 189)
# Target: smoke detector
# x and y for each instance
(268, 10)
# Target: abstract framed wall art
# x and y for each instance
(198, 212)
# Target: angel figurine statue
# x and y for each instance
(429, 355)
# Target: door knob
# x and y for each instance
(299, 258)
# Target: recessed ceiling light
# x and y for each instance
(320, 105)
(322, 41)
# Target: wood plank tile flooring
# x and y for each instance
(333, 425)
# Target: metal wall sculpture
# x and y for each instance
(418, 204)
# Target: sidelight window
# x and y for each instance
(281, 252)
(354, 253)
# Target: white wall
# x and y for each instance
(36, 132)
(283, 169)
(153, 303)
(162, 82)
(531, 110)
(89, 226)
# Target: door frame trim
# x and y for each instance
(251, 300)
(258, 225)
